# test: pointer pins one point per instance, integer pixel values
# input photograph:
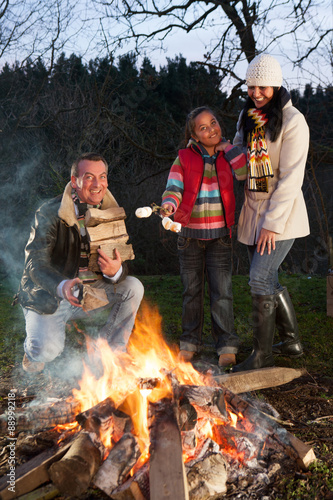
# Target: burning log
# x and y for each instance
(207, 477)
(105, 415)
(207, 400)
(43, 416)
(73, 473)
(167, 473)
(135, 488)
(115, 469)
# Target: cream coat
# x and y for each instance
(282, 209)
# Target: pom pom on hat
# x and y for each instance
(264, 71)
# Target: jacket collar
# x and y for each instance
(66, 210)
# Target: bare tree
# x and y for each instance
(236, 30)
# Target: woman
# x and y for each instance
(276, 136)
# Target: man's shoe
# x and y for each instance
(227, 359)
(32, 366)
(186, 356)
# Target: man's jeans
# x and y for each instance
(210, 258)
(264, 268)
(45, 333)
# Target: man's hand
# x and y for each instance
(68, 289)
(266, 237)
(109, 266)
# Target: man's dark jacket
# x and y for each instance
(52, 253)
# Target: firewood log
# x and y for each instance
(73, 473)
(115, 469)
(208, 401)
(94, 216)
(207, 477)
(135, 488)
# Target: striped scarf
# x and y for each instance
(85, 274)
(259, 163)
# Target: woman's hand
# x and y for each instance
(222, 146)
(266, 237)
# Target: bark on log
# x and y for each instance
(253, 380)
(43, 416)
(94, 216)
(104, 415)
(135, 488)
(115, 469)
(167, 473)
(208, 401)
(74, 472)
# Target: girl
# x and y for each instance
(199, 193)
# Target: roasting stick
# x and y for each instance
(167, 223)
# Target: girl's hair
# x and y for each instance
(190, 121)
(274, 112)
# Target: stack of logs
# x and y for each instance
(174, 426)
(107, 230)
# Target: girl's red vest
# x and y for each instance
(193, 167)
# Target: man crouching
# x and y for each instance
(56, 262)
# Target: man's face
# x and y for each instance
(91, 183)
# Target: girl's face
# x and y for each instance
(260, 95)
(207, 131)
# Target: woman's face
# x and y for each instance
(260, 95)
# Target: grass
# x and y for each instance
(309, 298)
(308, 294)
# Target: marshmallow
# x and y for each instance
(170, 225)
(143, 212)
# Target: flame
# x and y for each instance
(142, 375)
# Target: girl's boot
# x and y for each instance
(286, 324)
(263, 315)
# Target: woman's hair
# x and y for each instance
(274, 112)
(190, 121)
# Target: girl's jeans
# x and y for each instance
(45, 333)
(211, 259)
(264, 268)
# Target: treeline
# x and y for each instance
(135, 116)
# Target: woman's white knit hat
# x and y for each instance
(264, 71)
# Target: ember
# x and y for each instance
(152, 427)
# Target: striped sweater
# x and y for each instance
(207, 217)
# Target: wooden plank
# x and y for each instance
(35, 477)
(107, 230)
(254, 380)
(167, 476)
(306, 455)
(94, 216)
